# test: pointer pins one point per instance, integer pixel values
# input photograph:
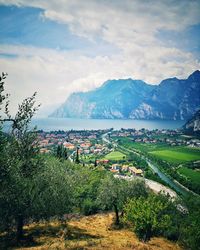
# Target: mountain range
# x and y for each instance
(192, 126)
(172, 99)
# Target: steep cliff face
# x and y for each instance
(172, 99)
(76, 106)
(114, 99)
(192, 126)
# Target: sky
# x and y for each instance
(60, 47)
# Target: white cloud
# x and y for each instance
(128, 17)
(56, 74)
(130, 25)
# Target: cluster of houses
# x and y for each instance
(86, 147)
(117, 168)
(86, 141)
(121, 168)
(194, 143)
(169, 141)
(157, 136)
(48, 140)
(143, 132)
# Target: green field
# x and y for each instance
(143, 147)
(177, 155)
(193, 175)
(115, 156)
(172, 154)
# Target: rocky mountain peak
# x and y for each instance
(172, 99)
(195, 75)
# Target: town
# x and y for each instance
(102, 147)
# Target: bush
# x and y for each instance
(89, 207)
(189, 228)
(149, 216)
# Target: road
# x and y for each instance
(153, 185)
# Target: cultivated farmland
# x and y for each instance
(177, 155)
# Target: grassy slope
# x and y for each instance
(92, 232)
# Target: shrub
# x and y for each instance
(149, 216)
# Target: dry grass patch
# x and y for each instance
(91, 232)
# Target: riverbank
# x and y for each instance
(170, 182)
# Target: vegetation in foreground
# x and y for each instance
(91, 232)
(37, 188)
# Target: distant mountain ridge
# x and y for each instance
(172, 99)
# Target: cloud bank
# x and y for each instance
(132, 27)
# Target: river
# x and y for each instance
(178, 188)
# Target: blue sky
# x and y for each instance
(58, 47)
(187, 40)
(26, 26)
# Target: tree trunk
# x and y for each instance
(20, 224)
(147, 235)
(117, 215)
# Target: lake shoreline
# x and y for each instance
(54, 124)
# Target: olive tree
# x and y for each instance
(31, 187)
(114, 192)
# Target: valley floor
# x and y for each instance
(92, 232)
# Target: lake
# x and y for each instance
(50, 124)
